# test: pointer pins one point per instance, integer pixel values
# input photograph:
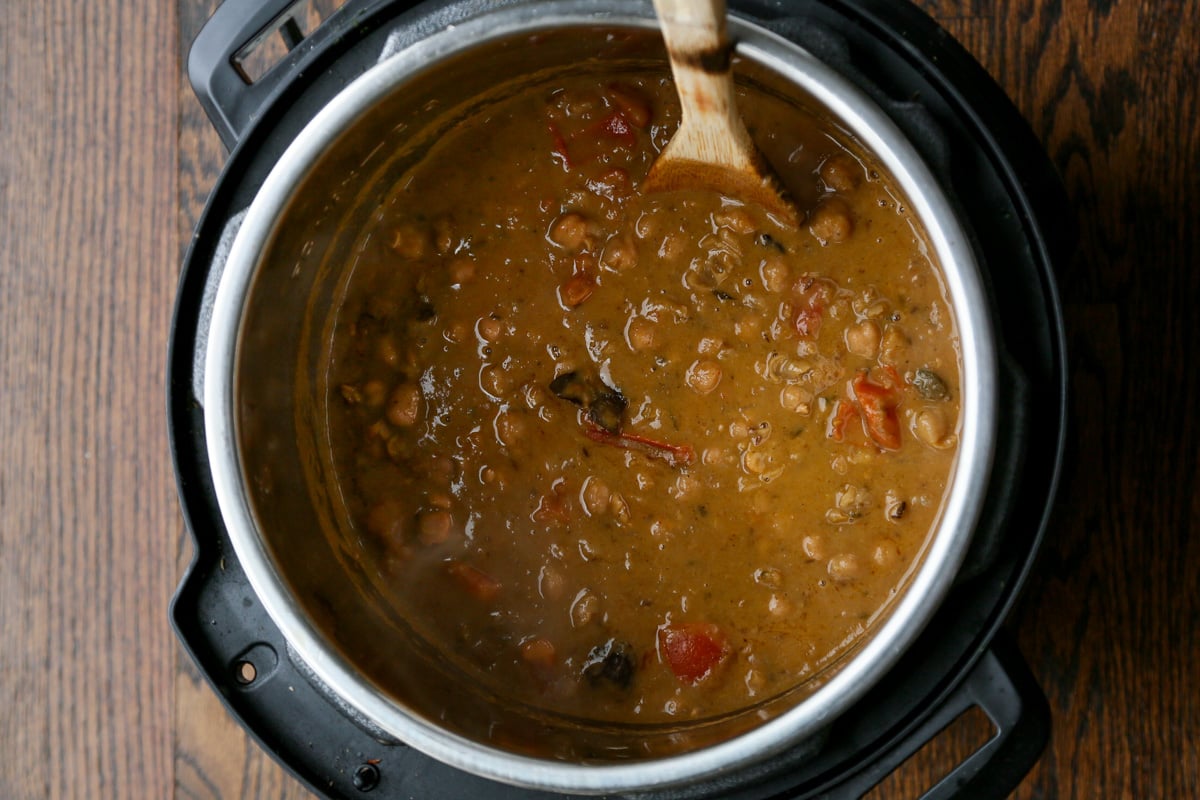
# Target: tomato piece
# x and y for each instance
(878, 404)
(808, 320)
(539, 653)
(575, 289)
(693, 650)
(475, 582)
(617, 128)
(814, 296)
(840, 419)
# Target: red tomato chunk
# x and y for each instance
(693, 650)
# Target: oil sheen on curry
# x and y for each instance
(639, 458)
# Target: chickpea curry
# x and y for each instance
(639, 458)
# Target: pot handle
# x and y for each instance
(1002, 686)
(222, 83)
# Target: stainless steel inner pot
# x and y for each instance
(263, 415)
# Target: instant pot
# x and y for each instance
(286, 638)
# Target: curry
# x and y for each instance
(639, 458)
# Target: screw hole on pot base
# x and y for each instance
(244, 672)
(253, 666)
(366, 777)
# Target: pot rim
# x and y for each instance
(943, 554)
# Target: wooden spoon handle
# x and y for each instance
(711, 129)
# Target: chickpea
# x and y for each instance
(703, 375)
(461, 270)
(779, 605)
(351, 394)
(585, 609)
(646, 226)
(397, 448)
(443, 467)
(620, 253)
(861, 456)
(410, 241)
(443, 235)
(843, 567)
(456, 332)
(877, 309)
(852, 500)
(931, 427)
(374, 393)
(489, 329)
(775, 274)
(404, 405)
(748, 327)
(894, 344)
(831, 221)
(862, 339)
(595, 496)
(494, 380)
(386, 520)
(672, 246)
(755, 462)
(885, 553)
(814, 547)
(388, 352)
(796, 398)
(510, 428)
(434, 527)
(619, 508)
(685, 486)
(840, 172)
(641, 334)
(770, 577)
(539, 652)
(716, 456)
(551, 583)
(569, 231)
(535, 395)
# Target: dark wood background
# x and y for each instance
(105, 159)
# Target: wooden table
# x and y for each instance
(105, 160)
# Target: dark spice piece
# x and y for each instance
(930, 385)
(612, 662)
(767, 240)
(603, 405)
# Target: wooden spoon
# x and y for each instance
(712, 149)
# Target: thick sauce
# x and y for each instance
(639, 458)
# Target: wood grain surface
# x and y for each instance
(105, 161)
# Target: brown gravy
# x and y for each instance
(639, 458)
